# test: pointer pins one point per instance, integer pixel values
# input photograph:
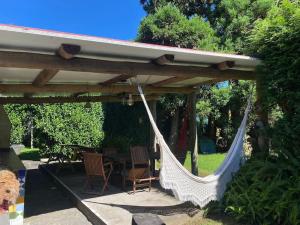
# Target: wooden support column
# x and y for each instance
(261, 121)
(152, 145)
(193, 140)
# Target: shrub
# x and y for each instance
(265, 192)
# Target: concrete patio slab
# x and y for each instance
(117, 207)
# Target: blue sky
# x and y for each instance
(105, 18)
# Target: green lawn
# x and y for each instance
(30, 154)
(207, 163)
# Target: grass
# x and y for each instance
(30, 154)
(207, 163)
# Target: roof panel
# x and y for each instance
(28, 39)
(17, 75)
(80, 77)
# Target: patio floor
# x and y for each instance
(116, 206)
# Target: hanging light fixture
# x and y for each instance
(130, 100)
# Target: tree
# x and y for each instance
(264, 190)
(202, 8)
(69, 123)
(168, 26)
(55, 124)
(276, 40)
(234, 19)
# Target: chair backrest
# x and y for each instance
(139, 155)
(93, 164)
(110, 151)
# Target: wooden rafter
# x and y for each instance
(117, 79)
(77, 88)
(44, 77)
(41, 61)
(170, 81)
(52, 100)
(206, 82)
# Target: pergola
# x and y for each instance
(41, 66)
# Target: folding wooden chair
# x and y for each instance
(94, 167)
(140, 174)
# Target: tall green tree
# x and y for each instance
(232, 20)
(276, 40)
(265, 189)
(168, 26)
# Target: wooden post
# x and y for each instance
(261, 121)
(152, 146)
(193, 140)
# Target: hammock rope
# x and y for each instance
(188, 187)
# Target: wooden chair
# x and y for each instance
(139, 174)
(95, 167)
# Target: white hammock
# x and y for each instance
(188, 187)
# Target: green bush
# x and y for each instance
(18, 116)
(265, 192)
(58, 124)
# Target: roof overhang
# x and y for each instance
(31, 62)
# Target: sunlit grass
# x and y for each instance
(30, 154)
(207, 163)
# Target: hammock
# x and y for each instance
(188, 187)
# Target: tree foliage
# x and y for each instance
(234, 20)
(56, 124)
(265, 189)
(168, 26)
(18, 116)
(277, 41)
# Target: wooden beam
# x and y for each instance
(44, 77)
(164, 59)
(170, 81)
(42, 61)
(53, 100)
(68, 51)
(117, 79)
(224, 65)
(206, 82)
(77, 88)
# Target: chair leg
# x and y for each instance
(134, 186)
(88, 183)
(104, 185)
(150, 185)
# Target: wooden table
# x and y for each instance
(123, 159)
